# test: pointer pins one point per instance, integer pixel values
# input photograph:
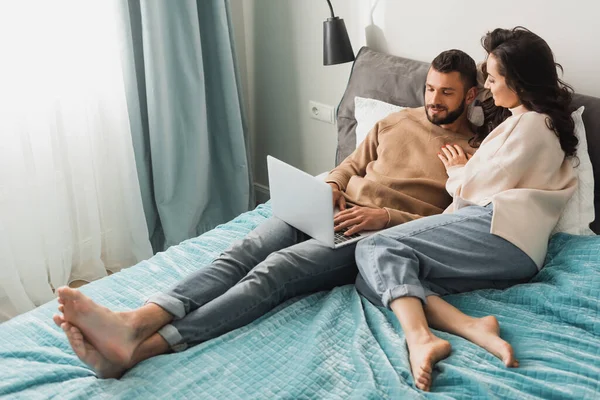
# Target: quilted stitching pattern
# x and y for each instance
(333, 345)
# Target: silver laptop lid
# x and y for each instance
(301, 200)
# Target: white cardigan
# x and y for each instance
(520, 168)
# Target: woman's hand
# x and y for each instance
(360, 219)
(453, 155)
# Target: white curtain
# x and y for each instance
(70, 204)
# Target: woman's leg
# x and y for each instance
(424, 347)
(456, 248)
(484, 332)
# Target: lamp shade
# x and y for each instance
(336, 43)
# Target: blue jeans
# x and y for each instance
(275, 262)
(439, 255)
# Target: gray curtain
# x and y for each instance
(187, 122)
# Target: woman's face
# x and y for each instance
(503, 95)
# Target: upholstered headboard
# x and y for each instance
(400, 81)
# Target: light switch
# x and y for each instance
(322, 112)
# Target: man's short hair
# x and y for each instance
(459, 61)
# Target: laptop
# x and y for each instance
(306, 203)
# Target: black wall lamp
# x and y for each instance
(337, 48)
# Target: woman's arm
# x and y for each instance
(455, 179)
(531, 154)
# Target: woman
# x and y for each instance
(507, 199)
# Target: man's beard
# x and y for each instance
(450, 117)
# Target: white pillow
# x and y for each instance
(579, 212)
(368, 112)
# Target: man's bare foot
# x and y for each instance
(485, 332)
(110, 334)
(88, 353)
(424, 353)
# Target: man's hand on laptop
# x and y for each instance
(360, 219)
(338, 196)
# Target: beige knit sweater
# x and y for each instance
(397, 167)
(520, 168)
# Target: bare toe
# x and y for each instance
(65, 293)
(424, 381)
(75, 338)
(423, 356)
(505, 352)
(87, 353)
(58, 320)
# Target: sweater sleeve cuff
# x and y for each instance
(454, 181)
(339, 179)
(454, 171)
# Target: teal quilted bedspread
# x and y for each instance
(329, 345)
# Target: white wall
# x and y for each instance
(422, 29)
(281, 46)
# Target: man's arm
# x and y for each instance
(397, 217)
(356, 163)
(338, 196)
(359, 219)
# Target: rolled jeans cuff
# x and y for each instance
(403, 291)
(170, 304)
(172, 337)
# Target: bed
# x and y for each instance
(336, 345)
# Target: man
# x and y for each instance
(393, 177)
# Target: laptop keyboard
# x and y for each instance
(341, 238)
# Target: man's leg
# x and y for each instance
(304, 268)
(111, 340)
(229, 268)
(404, 261)
(153, 346)
(118, 336)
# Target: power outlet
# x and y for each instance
(322, 112)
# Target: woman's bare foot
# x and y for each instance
(485, 332)
(112, 335)
(88, 353)
(424, 353)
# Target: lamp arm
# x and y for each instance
(330, 9)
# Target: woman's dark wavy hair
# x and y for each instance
(527, 63)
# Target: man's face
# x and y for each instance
(445, 98)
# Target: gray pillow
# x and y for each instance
(379, 76)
